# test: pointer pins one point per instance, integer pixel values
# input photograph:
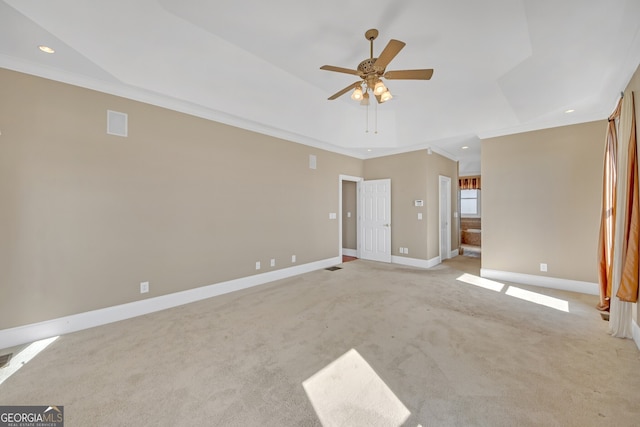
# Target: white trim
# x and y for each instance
(418, 147)
(542, 281)
(351, 178)
(635, 330)
(76, 322)
(447, 239)
(454, 253)
(349, 252)
(414, 262)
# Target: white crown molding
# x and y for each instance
(555, 123)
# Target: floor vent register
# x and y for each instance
(4, 359)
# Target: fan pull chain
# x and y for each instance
(376, 121)
(367, 120)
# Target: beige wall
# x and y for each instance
(541, 201)
(349, 223)
(182, 202)
(414, 176)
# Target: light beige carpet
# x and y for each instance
(370, 344)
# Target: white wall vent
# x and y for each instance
(117, 123)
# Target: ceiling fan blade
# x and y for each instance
(409, 74)
(389, 52)
(345, 90)
(340, 70)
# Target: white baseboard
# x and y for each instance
(414, 262)
(635, 329)
(76, 322)
(349, 252)
(542, 281)
(454, 253)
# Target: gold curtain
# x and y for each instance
(608, 214)
(469, 183)
(628, 290)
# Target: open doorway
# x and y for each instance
(371, 214)
(348, 214)
(470, 217)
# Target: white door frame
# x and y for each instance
(357, 180)
(444, 241)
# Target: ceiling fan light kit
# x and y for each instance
(372, 70)
(357, 94)
(379, 88)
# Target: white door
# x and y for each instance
(375, 222)
(445, 217)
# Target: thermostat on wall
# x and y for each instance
(418, 203)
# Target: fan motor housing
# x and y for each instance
(367, 66)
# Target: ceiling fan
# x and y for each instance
(372, 70)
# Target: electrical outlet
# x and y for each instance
(144, 287)
(273, 262)
(543, 267)
(257, 265)
(293, 258)
(406, 251)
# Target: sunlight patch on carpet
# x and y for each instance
(24, 357)
(481, 282)
(348, 392)
(536, 298)
(512, 291)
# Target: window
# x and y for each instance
(470, 202)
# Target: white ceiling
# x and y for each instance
(501, 66)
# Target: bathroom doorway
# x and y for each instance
(470, 219)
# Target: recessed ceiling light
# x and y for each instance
(46, 49)
(369, 150)
(570, 111)
(465, 147)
